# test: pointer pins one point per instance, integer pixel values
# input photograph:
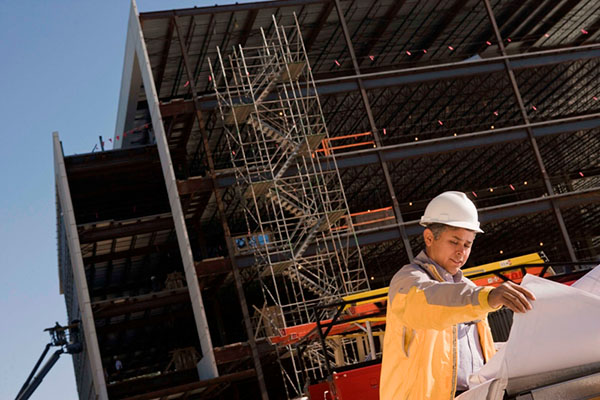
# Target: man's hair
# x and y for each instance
(437, 229)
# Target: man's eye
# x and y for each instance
(453, 242)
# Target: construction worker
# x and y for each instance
(437, 333)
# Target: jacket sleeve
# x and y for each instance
(422, 303)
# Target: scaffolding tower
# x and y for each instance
(298, 224)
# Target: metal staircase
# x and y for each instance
(273, 125)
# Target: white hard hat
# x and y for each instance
(453, 209)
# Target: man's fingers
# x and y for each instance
(521, 289)
(515, 297)
(507, 302)
(526, 292)
(521, 298)
(513, 306)
(511, 302)
(517, 300)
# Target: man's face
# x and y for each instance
(451, 250)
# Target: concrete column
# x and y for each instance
(83, 295)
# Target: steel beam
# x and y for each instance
(194, 184)
(398, 152)
(455, 70)
(93, 164)
(486, 215)
(321, 20)
(466, 141)
(438, 29)
(228, 8)
(176, 107)
(122, 230)
(92, 348)
(388, 18)
(240, 351)
(213, 267)
(530, 20)
(124, 306)
(378, 80)
(164, 57)
(189, 387)
(547, 23)
(530, 135)
(593, 33)
(375, 133)
(248, 26)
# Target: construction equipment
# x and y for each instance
(64, 337)
(494, 274)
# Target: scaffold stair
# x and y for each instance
(270, 131)
(267, 90)
(282, 75)
(306, 282)
(260, 189)
(286, 204)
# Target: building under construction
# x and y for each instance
(272, 158)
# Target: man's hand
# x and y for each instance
(511, 295)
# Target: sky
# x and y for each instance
(60, 70)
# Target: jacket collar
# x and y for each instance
(435, 270)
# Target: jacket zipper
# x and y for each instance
(454, 360)
(438, 277)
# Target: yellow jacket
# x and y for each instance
(420, 345)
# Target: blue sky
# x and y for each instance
(60, 70)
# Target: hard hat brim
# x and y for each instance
(457, 224)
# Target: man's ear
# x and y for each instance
(428, 237)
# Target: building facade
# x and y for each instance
(159, 249)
